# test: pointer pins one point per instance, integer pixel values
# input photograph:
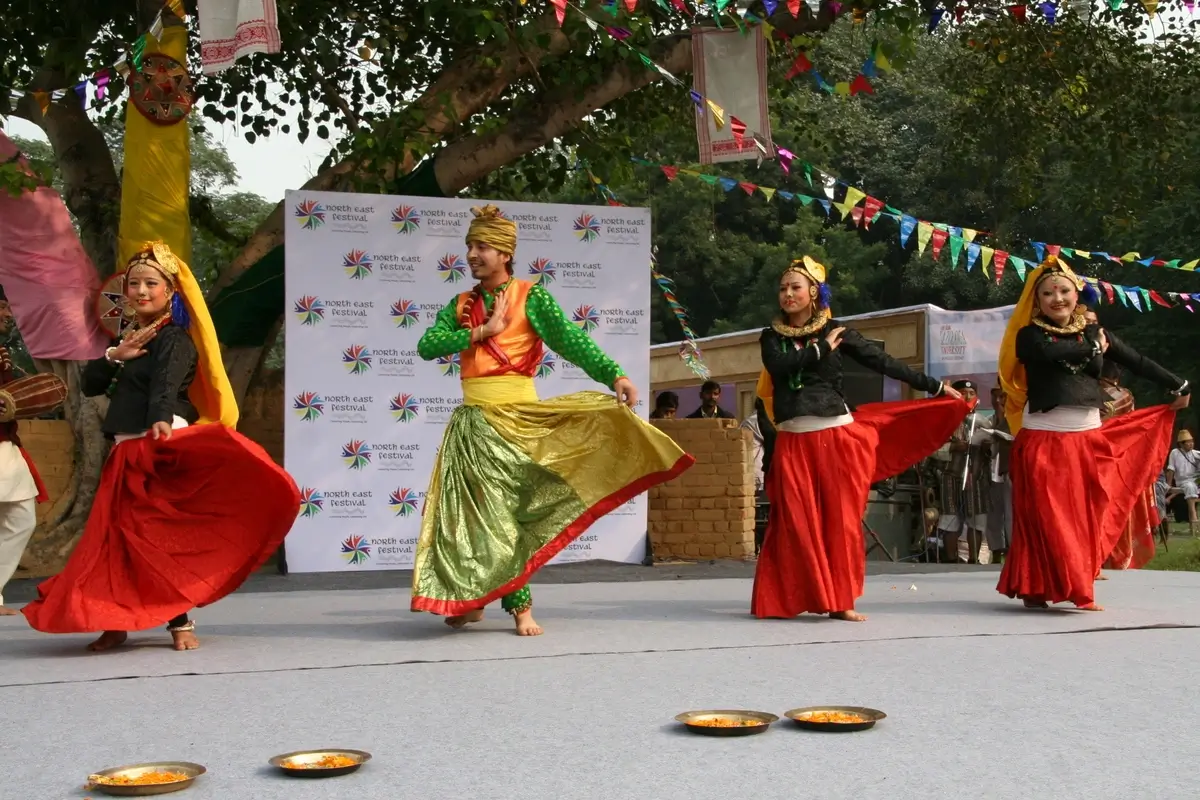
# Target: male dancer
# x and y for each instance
(518, 479)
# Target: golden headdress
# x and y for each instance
(809, 268)
(1012, 371)
(492, 228)
(211, 392)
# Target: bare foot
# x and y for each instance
(462, 620)
(848, 616)
(5, 611)
(108, 640)
(1030, 603)
(527, 625)
(185, 640)
(1091, 607)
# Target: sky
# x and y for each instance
(269, 167)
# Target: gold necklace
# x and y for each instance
(1076, 325)
(814, 324)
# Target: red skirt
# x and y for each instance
(175, 525)
(813, 558)
(1073, 494)
(1135, 546)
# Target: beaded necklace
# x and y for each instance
(464, 319)
(156, 325)
(798, 339)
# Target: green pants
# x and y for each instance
(518, 601)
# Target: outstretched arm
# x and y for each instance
(872, 357)
(568, 339)
(446, 336)
(1137, 363)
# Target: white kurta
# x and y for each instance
(18, 510)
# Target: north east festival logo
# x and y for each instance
(308, 406)
(587, 228)
(405, 313)
(546, 365)
(406, 219)
(450, 365)
(357, 454)
(309, 310)
(356, 550)
(542, 270)
(310, 214)
(404, 407)
(357, 265)
(586, 317)
(357, 359)
(311, 502)
(403, 502)
(452, 268)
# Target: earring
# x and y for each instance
(812, 292)
(128, 311)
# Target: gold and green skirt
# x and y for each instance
(518, 479)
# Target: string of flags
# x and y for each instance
(100, 80)
(936, 235)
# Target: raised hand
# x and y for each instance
(133, 346)
(499, 320)
(835, 338)
(626, 392)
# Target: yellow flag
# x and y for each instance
(717, 112)
(844, 208)
(1191, 265)
(987, 254)
(1131, 256)
(841, 87)
(767, 191)
(1151, 7)
(924, 232)
(43, 101)
(1084, 254)
(853, 196)
(969, 235)
(881, 61)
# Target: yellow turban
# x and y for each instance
(211, 392)
(1012, 371)
(492, 228)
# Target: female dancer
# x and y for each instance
(825, 458)
(1074, 480)
(184, 515)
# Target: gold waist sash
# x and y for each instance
(498, 390)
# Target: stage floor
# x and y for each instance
(983, 697)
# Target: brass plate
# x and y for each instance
(764, 720)
(870, 715)
(311, 756)
(193, 771)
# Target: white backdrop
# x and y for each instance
(965, 343)
(366, 275)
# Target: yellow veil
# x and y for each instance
(815, 272)
(1012, 371)
(211, 391)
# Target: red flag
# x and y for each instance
(748, 188)
(1158, 299)
(860, 84)
(856, 214)
(871, 207)
(631, 5)
(794, 7)
(959, 11)
(1108, 290)
(670, 172)
(939, 238)
(1053, 249)
(1018, 13)
(739, 130)
(682, 6)
(613, 202)
(801, 64)
(998, 261)
(560, 10)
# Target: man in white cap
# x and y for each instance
(1182, 465)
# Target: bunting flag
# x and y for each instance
(1001, 259)
(939, 241)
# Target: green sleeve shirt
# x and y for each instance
(447, 337)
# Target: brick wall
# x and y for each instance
(52, 448)
(708, 512)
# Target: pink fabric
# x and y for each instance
(50, 282)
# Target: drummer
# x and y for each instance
(21, 488)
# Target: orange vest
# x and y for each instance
(516, 350)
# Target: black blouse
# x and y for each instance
(1064, 370)
(816, 369)
(149, 389)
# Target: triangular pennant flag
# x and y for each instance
(1019, 265)
(1191, 265)
(939, 241)
(1108, 290)
(738, 128)
(805, 200)
(924, 230)
(1151, 7)
(830, 184)
(857, 214)
(717, 112)
(560, 10)
(844, 208)
(43, 101)
(1173, 263)
(770, 6)
(621, 34)
(868, 67)
(1134, 298)
(748, 188)
(854, 195)
(1048, 11)
(1054, 249)
(972, 255)
(698, 99)
(681, 5)
(808, 174)
(824, 205)
(871, 208)
(935, 18)
(1120, 291)
(1115, 4)
(954, 231)
(1083, 254)
(801, 64)
(1145, 262)
(1001, 260)
(959, 13)
(81, 90)
(881, 60)
(1067, 252)
(842, 88)
(794, 7)
(1039, 250)
(968, 234)
(728, 184)
(785, 160)
(907, 226)
(1129, 257)
(670, 172)
(1145, 296)
(956, 246)
(986, 253)
(1158, 299)
(711, 180)
(631, 5)
(861, 85)
(767, 191)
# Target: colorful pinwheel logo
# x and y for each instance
(308, 406)
(311, 502)
(311, 215)
(586, 317)
(404, 407)
(309, 310)
(356, 551)
(450, 364)
(357, 454)
(357, 359)
(406, 313)
(406, 219)
(545, 367)
(452, 268)
(404, 502)
(587, 228)
(357, 264)
(542, 270)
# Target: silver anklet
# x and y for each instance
(186, 627)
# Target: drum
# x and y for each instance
(32, 396)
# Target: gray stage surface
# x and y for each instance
(984, 698)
